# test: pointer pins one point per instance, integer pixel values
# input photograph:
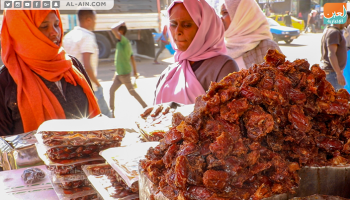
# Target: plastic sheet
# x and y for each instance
(156, 120)
(108, 183)
(126, 164)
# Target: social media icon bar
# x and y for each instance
(27, 4)
(36, 4)
(55, 4)
(18, 4)
(46, 4)
(8, 4)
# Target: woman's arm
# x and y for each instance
(115, 29)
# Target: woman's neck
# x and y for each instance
(191, 62)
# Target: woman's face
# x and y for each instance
(51, 29)
(182, 27)
(225, 17)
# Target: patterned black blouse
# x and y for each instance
(74, 102)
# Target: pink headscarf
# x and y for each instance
(180, 84)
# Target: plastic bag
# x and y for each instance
(33, 175)
(126, 164)
(108, 183)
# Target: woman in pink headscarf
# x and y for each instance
(197, 35)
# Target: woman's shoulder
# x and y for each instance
(221, 61)
(256, 55)
(221, 58)
(268, 44)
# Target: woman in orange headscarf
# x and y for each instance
(39, 81)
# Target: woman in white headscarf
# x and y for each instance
(247, 32)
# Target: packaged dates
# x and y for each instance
(69, 152)
(79, 132)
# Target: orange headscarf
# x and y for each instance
(26, 50)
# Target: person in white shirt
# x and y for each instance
(81, 43)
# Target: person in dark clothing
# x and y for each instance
(39, 81)
(288, 19)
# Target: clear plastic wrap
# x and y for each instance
(72, 169)
(108, 183)
(70, 185)
(42, 154)
(33, 175)
(42, 149)
(67, 178)
(126, 164)
(319, 197)
(149, 191)
(156, 120)
(330, 180)
(69, 152)
(85, 192)
(79, 132)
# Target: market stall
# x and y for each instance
(275, 131)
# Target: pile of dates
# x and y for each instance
(251, 132)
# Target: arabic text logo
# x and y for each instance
(335, 13)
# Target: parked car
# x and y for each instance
(296, 23)
(287, 34)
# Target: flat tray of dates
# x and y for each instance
(253, 134)
(158, 119)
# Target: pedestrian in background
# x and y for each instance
(288, 19)
(81, 43)
(311, 21)
(247, 34)
(38, 81)
(164, 40)
(123, 58)
(346, 71)
(334, 54)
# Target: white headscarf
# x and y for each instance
(248, 27)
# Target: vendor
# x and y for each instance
(38, 81)
(197, 35)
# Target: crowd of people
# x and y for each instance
(47, 75)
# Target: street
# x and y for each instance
(307, 46)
